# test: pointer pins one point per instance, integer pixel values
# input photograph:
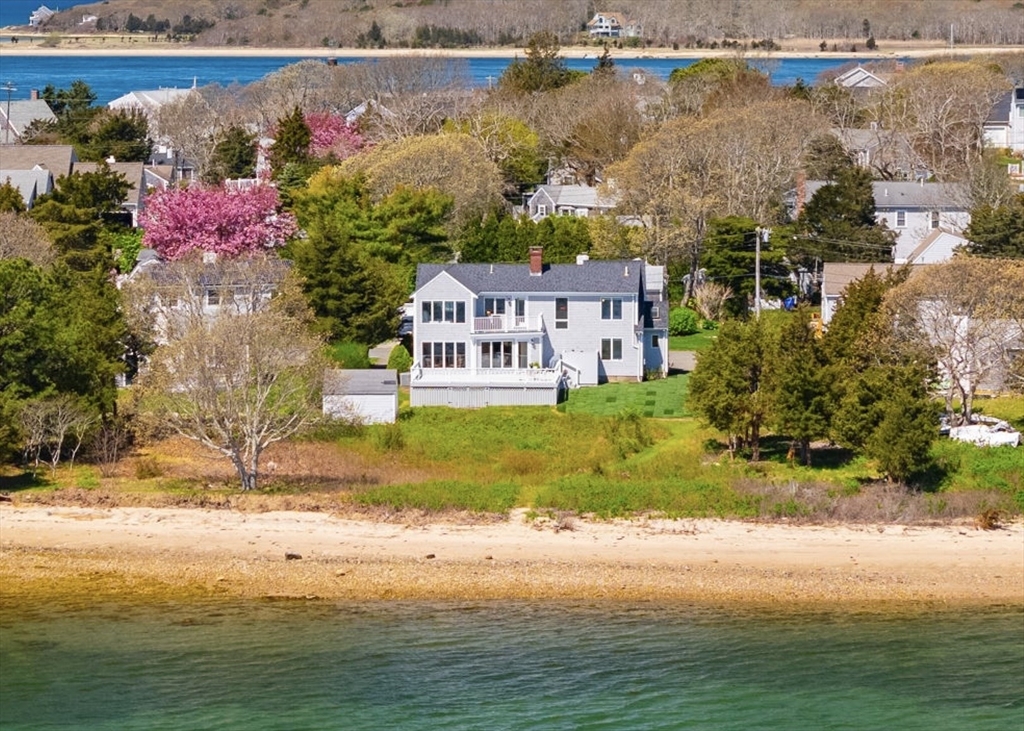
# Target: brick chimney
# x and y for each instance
(33, 94)
(536, 260)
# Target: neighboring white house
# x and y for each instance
(149, 103)
(913, 210)
(859, 78)
(938, 246)
(887, 154)
(612, 25)
(369, 396)
(567, 200)
(1004, 127)
(511, 334)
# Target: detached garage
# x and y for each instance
(368, 396)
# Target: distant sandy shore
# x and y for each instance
(31, 45)
(124, 553)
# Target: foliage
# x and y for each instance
(124, 245)
(56, 426)
(508, 142)
(21, 237)
(838, 222)
(121, 134)
(998, 231)
(728, 389)
(542, 69)
(797, 382)
(236, 383)
(502, 238)
(683, 321)
(730, 258)
(349, 355)
(292, 138)
(399, 359)
(331, 136)
(178, 221)
(456, 165)
(358, 257)
(10, 198)
(234, 156)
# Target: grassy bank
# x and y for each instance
(599, 454)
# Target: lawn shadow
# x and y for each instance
(19, 482)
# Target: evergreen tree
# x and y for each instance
(10, 198)
(291, 141)
(730, 258)
(838, 222)
(998, 231)
(542, 69)
(728, 387)
(799, 399)
(234, 156)
(121, 134)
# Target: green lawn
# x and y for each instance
(697, 341)
(665, 398)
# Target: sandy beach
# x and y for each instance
(87, 45)
(155, 553)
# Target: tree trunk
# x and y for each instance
(246, 476)
(805, 452)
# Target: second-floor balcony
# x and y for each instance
(508, 324)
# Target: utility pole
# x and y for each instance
(8, 87)
(760, 234)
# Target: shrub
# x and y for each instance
(349, 355)
(683, 321)
(400, 360)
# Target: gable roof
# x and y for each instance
(599, 277)
(890, 194)
(58, 159)
(949, 239)
(30, 183)
(836, 276)
(22, 113)
(859, 78)
(132, 171)
(148, 101)
(577, 196)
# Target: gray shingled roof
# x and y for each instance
(371, 382)
(57, 159)
(24, 112)
(602, 277)
(30, 183)
(132, 171)
(889, 194)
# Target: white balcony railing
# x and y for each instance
(484, 376)
(507, 323)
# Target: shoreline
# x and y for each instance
(148, 554)
(141, 47)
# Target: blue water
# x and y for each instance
(309, 665)
(111, 77)
(16, 12)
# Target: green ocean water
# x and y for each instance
(322, 665)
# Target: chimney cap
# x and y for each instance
(536, 261)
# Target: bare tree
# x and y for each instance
(967, 315)
(48, 424)
(23, 238)
(190, 125)
(238, 379)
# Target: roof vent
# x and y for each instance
(626, 272)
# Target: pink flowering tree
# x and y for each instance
(331, 135)
(179, 221)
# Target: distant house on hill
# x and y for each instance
(40, 15)
(612, 25)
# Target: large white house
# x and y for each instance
(509, 334)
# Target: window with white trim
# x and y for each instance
(542, 210)
(443, 311)
(561, 313)
(611, 349)
(901, 219)
(443, 355)
(935, 219)
(611, 309)
(494, 306)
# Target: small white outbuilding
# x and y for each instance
(369, 396)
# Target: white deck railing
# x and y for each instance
(507, 323)
(484, 376)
